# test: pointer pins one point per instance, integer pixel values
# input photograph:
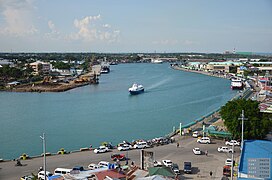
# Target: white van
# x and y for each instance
(61, 171)
(103, 164)
(141, 145)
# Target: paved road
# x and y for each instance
(202, 164)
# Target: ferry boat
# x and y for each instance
(136, 89)
(236, 83)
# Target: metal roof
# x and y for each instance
(255, 149)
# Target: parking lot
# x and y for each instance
(201, 164)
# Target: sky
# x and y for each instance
(142, 26)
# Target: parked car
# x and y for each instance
(228, 162)
(232, 142)
(41, 175)
(93, 166)
(224, 149)
(187, 167)
(78, 168)
(226, 170)
(62, 171)
(30, 177)
(167, 163)
(103, 164)
(101, 149)
(119, 157)
(157, 164)
(140, 145)
(124, 147)
(197, 151)
(195, 134)
(204, 140)
(175, 168)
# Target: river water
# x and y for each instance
(106, 112)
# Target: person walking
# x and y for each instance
(206, 152)
(211, 173)
(177, 144)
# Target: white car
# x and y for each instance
(232, 142)
(93, 166)
(124, 147)
(197, 151)
(204, 140)
(140, 145)
(224, 149)
(101, 149)
(167, 163)
(195, 134)
(102, 164)
(41, 175)
(157, 164)
(228, 162)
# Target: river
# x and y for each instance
(106, 112)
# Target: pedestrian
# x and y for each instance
(91, 146)
(211, 173)
(206, 152)
(177, 144)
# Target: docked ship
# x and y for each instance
(156, 61)
(236, 83)
(105, 68)
(136, 89)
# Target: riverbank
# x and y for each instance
(58, 84)
(199, 72)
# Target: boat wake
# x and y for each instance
(155, 85)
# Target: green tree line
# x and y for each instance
(257, 125)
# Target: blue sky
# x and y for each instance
(135, 26)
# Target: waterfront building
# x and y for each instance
(38, 66)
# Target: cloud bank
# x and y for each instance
(90, 29)
(18, 17)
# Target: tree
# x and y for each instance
(257, 125)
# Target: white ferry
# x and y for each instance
(136, 89)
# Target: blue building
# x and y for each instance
(256, 160)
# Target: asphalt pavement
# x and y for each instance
(202, 165)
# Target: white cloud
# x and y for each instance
(54, 34)
(91, 29)
(18, 17)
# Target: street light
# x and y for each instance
(44, 155)
(242, 118)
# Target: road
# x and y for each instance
(202, 164)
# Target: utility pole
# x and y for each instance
(242, 118)
(232, 161)
(180, 129)
(44, 155)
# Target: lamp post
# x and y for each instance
(44, 154)
(242, 118)
(232, 161)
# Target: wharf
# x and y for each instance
(45, 86)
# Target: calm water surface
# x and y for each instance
(106, 112)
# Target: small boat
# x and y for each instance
(136, 89)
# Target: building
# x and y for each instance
(40, 66)
(255, 160)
